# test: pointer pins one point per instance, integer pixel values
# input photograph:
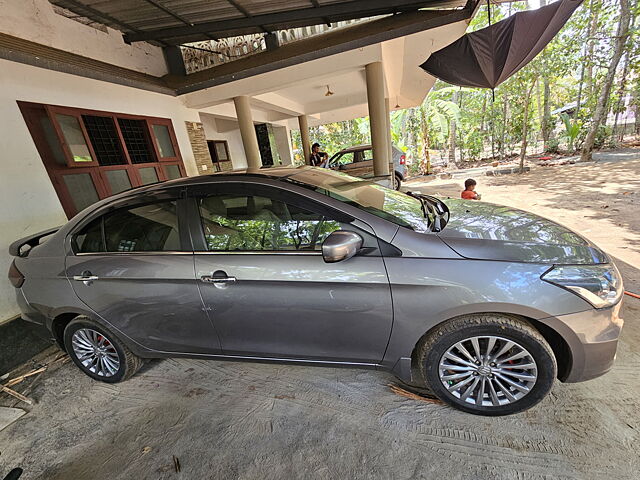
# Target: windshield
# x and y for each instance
(383, 202)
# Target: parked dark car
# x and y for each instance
(358, 162)
(484, 304)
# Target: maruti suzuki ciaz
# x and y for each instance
(484, 305)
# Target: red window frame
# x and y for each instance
(32, 113)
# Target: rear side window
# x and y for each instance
(90, 239)
(145, 228)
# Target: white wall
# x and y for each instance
(28, 201)
(282, 136)
(216, 128)
(36, 21)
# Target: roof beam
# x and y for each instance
(102, 15)
(168, 11)
(316, 4)
(309, 16)
(173, 14)
(244, 12)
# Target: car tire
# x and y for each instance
(397, 182)
(98, 352)
(494, 388)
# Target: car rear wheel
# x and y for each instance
(397, 182)
(487, 364)
(98, 352)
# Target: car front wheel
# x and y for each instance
(487, 364)
(98, 352)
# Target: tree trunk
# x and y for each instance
(546, 115)
(425, 164)
(503, 132)
(601, 107)
(492, 119)
(576, 113)
(594, 8)
(525, 126)
(452, 131)
(623, 87)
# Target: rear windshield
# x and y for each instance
(397, 207)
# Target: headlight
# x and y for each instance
(600, 285)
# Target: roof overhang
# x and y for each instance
(174, 23)
(358, 36)
(352, 38)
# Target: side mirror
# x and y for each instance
(341, 245)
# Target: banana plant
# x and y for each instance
(571, 130)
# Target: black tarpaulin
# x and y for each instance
(487, 57)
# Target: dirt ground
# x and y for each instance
(249, 420)
(599, 199)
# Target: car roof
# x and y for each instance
(356, 148)
(274, 173)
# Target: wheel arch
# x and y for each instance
(59, 323)
(556, 341)
(62, 318)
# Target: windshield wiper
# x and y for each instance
(434, 210)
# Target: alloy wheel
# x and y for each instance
(488, 371)
(95, 352)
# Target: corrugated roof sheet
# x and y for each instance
(194, 20)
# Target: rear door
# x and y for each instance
(134, 267)
(267, 287)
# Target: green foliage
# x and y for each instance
(553, 146)
(571, 129)
(573, 65)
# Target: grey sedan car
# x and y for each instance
(483, 304)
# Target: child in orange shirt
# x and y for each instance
(469, 190)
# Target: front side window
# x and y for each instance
(145, 228)
(344, 159)
(239, 222)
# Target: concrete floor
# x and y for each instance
(265, 421)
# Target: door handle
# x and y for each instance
(212, 279)
(86, 277)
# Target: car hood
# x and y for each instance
(487, 231)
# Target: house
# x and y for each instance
(98, 97)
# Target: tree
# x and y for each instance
(605, 91)
(525, 123)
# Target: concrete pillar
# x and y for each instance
(283, 143)
(303, 121)
(377, 113)
(389, 139)
(247, 131)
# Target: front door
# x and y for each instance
(133, 269)
(267, 288)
